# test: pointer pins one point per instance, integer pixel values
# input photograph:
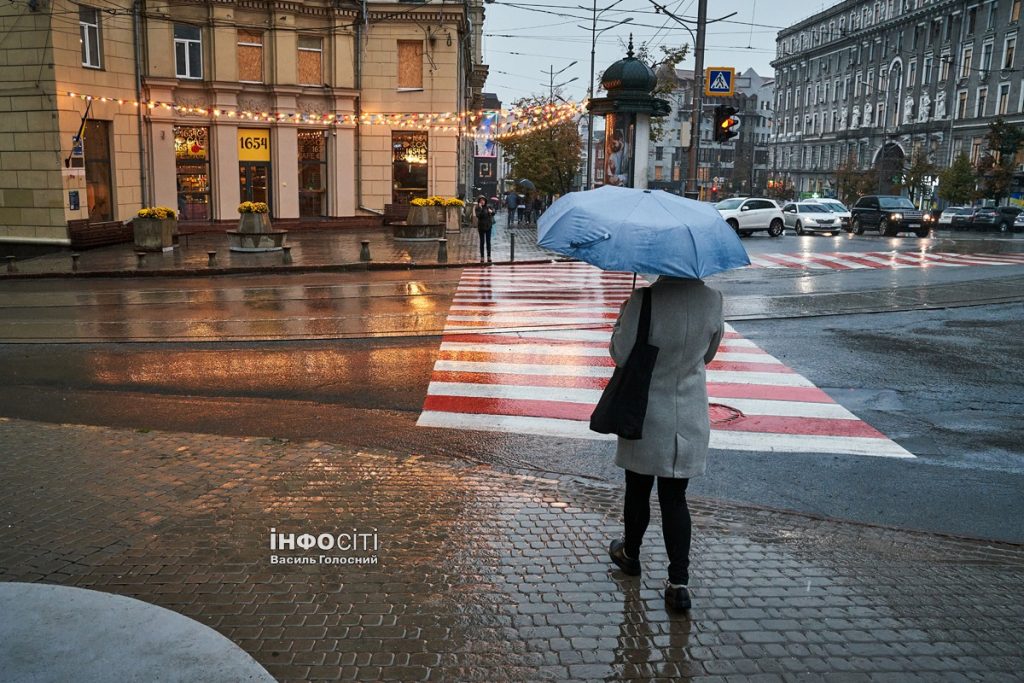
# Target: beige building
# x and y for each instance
(325, 110)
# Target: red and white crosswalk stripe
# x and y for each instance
(525, 350)
(881, 260)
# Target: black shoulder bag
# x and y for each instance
(623, 404)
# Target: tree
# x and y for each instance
(918, 176)
(851, 182)
(994, 176)
(957, 183)
(1004, 139)
(665, 70)
(549, 157)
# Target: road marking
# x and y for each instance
(491, 375)
(881, 260)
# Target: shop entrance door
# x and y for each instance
(254, 178)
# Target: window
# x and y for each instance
(188, 51)
(986, 59)
(961, 104)
(409, 154)
(250, 56)
(410, 64)
(659, 153)
(1003, 105)
(89, 36)
(1009, 50)
(991, 23)
(98, 178)
(969, 22)
(966, 57)
(911, 73)
(658, 173)
(926, 71)
(310, 66)
(975, 150)
(982, 100)
(312, 173)
(1015, 11)
(192, 164)
(944, 62)
(857, 85)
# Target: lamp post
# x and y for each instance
(551, 78)
(594, 33)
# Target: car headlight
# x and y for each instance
(896, 216)
(928, 217)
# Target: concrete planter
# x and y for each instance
(420, 215)
(254, 222)
(453, 218)
(155, 234)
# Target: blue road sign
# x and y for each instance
(719, 81)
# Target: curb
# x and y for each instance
(276, 270)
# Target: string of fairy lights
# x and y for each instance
(496, 124)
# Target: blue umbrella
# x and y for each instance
(641, 231)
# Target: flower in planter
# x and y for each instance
(158, 212)
(453, 201)
(420, 201)
(253, 207)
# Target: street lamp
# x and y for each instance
(594, 33)
(551, 78)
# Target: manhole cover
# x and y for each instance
(721, 414)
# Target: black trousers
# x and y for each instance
(675, 520)
(485, 237)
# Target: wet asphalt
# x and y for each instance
(945, 384)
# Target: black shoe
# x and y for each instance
(677, 598)
(617, 551)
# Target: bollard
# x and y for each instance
(141, 259)
(11, 268)
(442, 251)
(512, 246)
(286, 254)
(74, 260)
(211, 258)
(364, 251)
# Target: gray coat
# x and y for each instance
(687, 326)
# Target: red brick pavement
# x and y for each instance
(487, 576)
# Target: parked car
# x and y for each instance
(747, 215)
(1018, 222)
(889, 214)
(999, 218)
(839, 209)
(805, 217)
(947, 217)
(962, 220)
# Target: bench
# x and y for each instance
(86, 235)
(395, 213)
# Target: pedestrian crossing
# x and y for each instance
(525, 350)
(881, 260)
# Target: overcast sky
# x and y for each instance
(524, 39)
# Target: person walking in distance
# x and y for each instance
(687, 326)
(484, 216)
(511, 202)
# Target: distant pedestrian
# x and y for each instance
(538, 208)
(484, 217)
(687, 326)
(511, 202)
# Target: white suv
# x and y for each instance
(751, 214)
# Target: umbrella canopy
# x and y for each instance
(526, 184)
(641, 231)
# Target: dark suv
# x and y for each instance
(994, 218)
(888, 214)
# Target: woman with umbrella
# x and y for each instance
(484, 218)
(675, 327)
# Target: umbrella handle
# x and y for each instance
(602, 238)
(634, 280)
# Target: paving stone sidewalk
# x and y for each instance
(488, 576)
(311, 249)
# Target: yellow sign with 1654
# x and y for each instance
(253, 144)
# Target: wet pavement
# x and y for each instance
(311, 250)
(487, 576)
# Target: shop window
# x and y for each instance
(312, 173)
(192, 167)
(89, 36)
(99, 188)
(250, 56)
(410, 65)
(188, 51)
(409, 152)
(311, 59)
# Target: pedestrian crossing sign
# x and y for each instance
(719, 81)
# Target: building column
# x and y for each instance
(162, 171)
(284, 155)
(341, 163)
(224, 170)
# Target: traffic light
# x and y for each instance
(725, 123)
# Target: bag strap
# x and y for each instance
(644, 330)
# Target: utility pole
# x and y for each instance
(698, 99)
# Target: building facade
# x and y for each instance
(740, 166)
(872, 83)
(322, 109)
